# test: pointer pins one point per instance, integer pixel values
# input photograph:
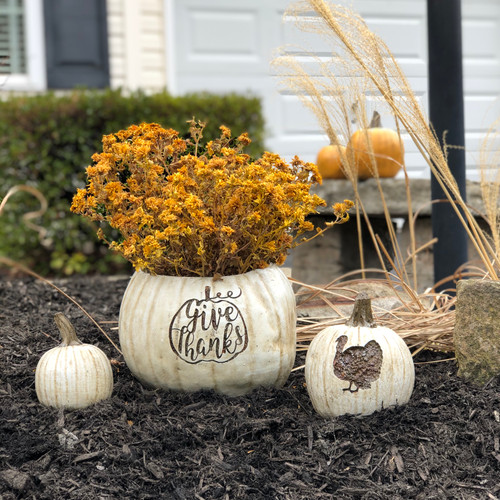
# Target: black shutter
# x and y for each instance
(76, 39)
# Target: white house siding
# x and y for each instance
(116, 42)
(137, 44)
(481, 64)
(225, 45)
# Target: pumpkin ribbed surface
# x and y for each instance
(376, 148)
(73, 377)
(231, 334)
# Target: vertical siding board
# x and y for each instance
(137, 45)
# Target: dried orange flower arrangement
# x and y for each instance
(186, 209)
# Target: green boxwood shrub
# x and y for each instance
(46, 141)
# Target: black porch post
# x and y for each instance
(446, 107)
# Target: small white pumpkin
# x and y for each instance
(72, 375)
(358, 368)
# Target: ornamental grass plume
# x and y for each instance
(187, 209)
(354, 73)
(360, 72)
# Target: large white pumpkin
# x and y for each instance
(231, 334)
(358, 368)
(72, 375)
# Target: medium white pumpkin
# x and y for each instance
(358, 368)
(72, 375)
(231, 334)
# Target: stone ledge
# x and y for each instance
(333, 191)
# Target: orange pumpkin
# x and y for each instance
(329, 161)
(376, 147)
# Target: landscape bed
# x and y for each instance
(146, 443)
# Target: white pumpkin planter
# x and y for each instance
(358, 368)
(72, 375)
(231, 334)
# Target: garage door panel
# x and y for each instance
(297, 119)
(239, 29)
(480, 42)
(226, 36)
(227, 45)
(405, 35)
(481, 39)
(235, 49)
(481, 111)
(295, 40)
(293, 109)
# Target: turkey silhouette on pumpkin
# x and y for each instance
(359, 365)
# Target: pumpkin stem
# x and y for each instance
(362, 314)
(376, 120)
(66, 329)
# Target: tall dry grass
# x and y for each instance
(361, 74)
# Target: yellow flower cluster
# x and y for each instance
(340, 210)
(187, 209)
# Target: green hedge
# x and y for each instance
(46, 141)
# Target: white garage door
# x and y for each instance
(226, 45)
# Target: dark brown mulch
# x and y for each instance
(157, 444)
